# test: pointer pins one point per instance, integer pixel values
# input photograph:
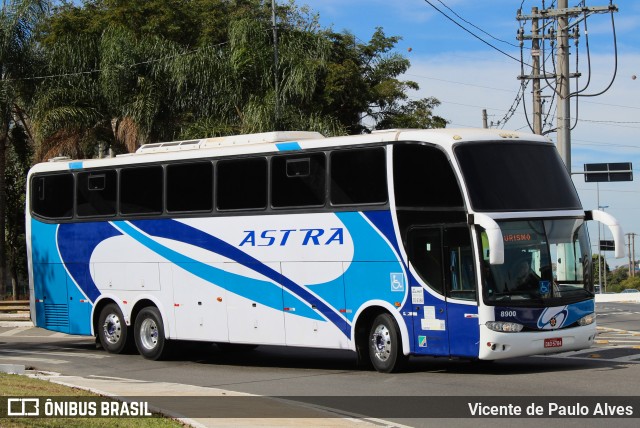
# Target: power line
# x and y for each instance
(478, 28)
(472, 33)
(99, 70)
(459, 83)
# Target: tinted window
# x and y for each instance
(52, 196)
(96, 193)
(298, 180)
(190, 187)
(242, 184)
(423, 177)
(358, 176)
(141, 190)
(516, 176)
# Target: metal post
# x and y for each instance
(629, 251)
(633, 250)
(599, 252)
(535, 56)
(603, 265)
(275, 65)
(562, 86)
(485, 123)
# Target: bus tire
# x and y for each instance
(113, 332)
(385, 345)
(149, 334)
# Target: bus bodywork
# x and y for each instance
(391, 244)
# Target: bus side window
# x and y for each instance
(141, 190)
(190, 187)
(96, 193)
(462, 279)
(359, 176)
(241, 184)
(53, 196)
(298, 181)
(424, 178)
(426, 256)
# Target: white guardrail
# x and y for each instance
(618, 297)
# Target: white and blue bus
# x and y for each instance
(451, 242)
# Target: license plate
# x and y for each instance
(555, 342)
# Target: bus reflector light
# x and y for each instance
(219, 299)
(397, 304)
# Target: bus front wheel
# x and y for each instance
(385, 345)
(112, 329)
(149, 334)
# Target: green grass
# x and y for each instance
(22, 386)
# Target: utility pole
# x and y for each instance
(633, 251)
(562, 87)
(629, 251)
(535, 56)
(562, 14)
(485, 123)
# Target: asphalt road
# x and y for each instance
(610, 369)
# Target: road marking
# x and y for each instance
(12, 332)
(55, 354)
(36, 360)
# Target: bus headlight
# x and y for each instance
(504, 327)
(588, 319)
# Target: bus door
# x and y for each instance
(443, 324)
(429, 312)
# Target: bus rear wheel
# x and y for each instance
(385, 345)
(112, 329)
(149, 334)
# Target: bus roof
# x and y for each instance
(281, 141)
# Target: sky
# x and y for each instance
(467, 75)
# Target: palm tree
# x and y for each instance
(18, 19)
(109, 91)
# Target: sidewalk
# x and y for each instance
(163, 397)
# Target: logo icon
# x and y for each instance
(553, 322)
(397, 282)
(422, 341)
(23, 407)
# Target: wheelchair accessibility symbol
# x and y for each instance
(544, 287)
(397, 282)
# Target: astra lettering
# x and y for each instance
(304, 237)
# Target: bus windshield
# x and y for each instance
(546, 263)
(516, 176)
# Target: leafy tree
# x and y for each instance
(153, 82)
(618, 275)
(361, 86)
(18, 57)
(633, 282)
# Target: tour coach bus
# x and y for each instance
(450, 242)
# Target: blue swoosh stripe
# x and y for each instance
(177, 231)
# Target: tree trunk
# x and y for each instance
(3, 205)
